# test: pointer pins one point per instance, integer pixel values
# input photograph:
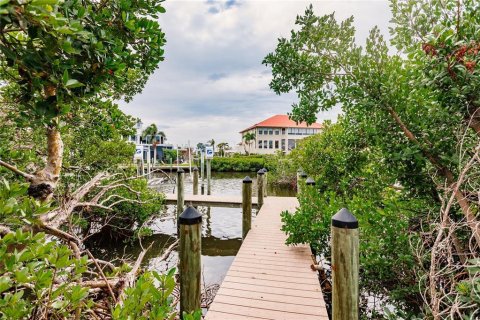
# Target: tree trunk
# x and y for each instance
(447, 174)
(473, 118)
(44, 181)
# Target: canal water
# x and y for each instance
(221, 230)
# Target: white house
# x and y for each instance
(145, 143)
(277, 133)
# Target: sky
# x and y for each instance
(212, 83)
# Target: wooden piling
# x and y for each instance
(190, 226)
(209, 176)
(202, 164)
(246, 206)
(260, 188)
(195, 180)
(180, 191)
(265, 182)
(310, 182)
(301, 177)
(345, 266)
(138, 167)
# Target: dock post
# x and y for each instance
(149, 171)
(310, 182)
(260, 188)
(195, 181)
(180, 191)
(345, 264)
(138, 167)
(142, 168)
(301, 177)
(246, 206)
(190, 223)
(209, 176)
(202, 164)
(265, 182)
(203, 189)
(299, 172)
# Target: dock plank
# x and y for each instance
(268, 279)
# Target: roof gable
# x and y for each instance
(282, 121)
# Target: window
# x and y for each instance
(276, 144)
(277, 132)
(260, 144)
(291, 144)
(270, 144)
(290, 131)
(260, 131)
(283, 130)
(283, 144)
(270, 131)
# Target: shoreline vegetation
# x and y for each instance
(404, 156)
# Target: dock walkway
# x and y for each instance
(268, 279)
(211, 201)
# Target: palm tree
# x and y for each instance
(249, 138)
(152, 132)
(212, 143)
(222, 146)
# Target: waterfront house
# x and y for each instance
(152, 146)
(277, 133)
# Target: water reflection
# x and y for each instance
(221, 232)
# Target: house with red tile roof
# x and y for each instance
(277, 133)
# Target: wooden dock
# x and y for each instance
(268, 279)
(210, 201)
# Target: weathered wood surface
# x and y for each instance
(260, 187)
(345, 266)
(190, 227)
(268, 279)
(212, 201)
(246, 206)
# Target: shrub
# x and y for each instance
(240, 164)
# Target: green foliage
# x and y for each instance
(170, 155)
(17, 209)
(58, 53)
(353, 177)
(40, 276)
(30, 267)
(222, 146)
(239, 164)
(150, 299)
(248, 139)
(411, 122)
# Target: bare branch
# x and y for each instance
(102, 274)
(10, 167)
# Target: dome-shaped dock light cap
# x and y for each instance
(247, 179)
(264, 169)
(344, 219)
(190, 216)
(195, 169)
(303, 175)
(310, 182)
(180, 170)
(260, 172)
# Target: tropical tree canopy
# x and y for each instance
(61, 57)
(410, 125)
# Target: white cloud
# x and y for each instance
(212, 83)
